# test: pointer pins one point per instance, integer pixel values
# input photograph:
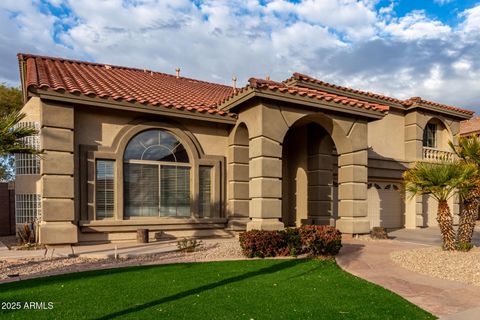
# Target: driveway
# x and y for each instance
(430, 236)
(370, 260)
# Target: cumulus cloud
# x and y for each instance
(415, 26)
(354, 43)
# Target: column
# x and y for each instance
(265, 184)
(57, 169)
(238, 181)
(352, 193)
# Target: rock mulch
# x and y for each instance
(17, 269)
(433, 261)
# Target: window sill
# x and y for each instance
(153, 224)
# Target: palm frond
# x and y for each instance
(13, 136)
(440, 180)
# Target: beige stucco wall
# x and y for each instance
(101, 127)
(386, 136)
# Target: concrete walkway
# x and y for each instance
(371, 261)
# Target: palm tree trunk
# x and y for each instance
(468, 218)
(445, 222)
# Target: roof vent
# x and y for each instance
(177, 71)
(234, 84)
(108, 67)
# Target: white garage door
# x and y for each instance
(386, 207)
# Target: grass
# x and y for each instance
(253, 289)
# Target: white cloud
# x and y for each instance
(472, 20)
(415, 26)
(354, 43)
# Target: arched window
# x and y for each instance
(156, 176)
(430, 135)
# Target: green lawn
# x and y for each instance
(254, 289)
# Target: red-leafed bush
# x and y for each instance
(320, 240)
(258, 243)
(313, 240)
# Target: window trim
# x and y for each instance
(426, 135)
(115, 152)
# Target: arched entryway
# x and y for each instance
(238, 178)
(309, 171)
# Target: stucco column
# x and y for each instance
(265, 184)
(57, 169)
(352, 193)
(413, 152)
(414, 216)
(238, 179)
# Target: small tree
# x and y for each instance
(10, 102)
(441, 181)
(12, 136)
(468, 151)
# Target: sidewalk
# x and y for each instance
(96, 251)
(370, 260)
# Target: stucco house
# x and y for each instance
(128, 148)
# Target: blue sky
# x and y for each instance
(401, 48)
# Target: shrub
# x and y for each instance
(293, 242)
(188, 245)
(464, 246)
(379, 233)
(260, 243)
(26, 233)
(320, 240)
(314, 240)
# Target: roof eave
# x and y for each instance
(21, 65)
(358, 96)
(458, 114)
(303, 100)
(78, 98)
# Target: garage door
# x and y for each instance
(386, 207)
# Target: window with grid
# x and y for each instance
(430, 136)
(205, 192)
(27, 208)
(156, 176)
(104, 191)
(28, 163)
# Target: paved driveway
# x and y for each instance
(430, 236)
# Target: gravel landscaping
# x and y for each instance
(40, 266)
(433, 261)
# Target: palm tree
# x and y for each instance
(468, 150)
(441, 181)
(12, 136)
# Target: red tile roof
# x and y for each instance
(311, 93)
(408, 102)
(121, 83)
(419, 100)
(304, 77)
(168, 91)
(470, 126)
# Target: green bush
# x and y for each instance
(313, 240)
(464, 246)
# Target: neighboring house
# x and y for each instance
(470, 127)
(128, 148)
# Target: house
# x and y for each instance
(470, 127)
(128, 148)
